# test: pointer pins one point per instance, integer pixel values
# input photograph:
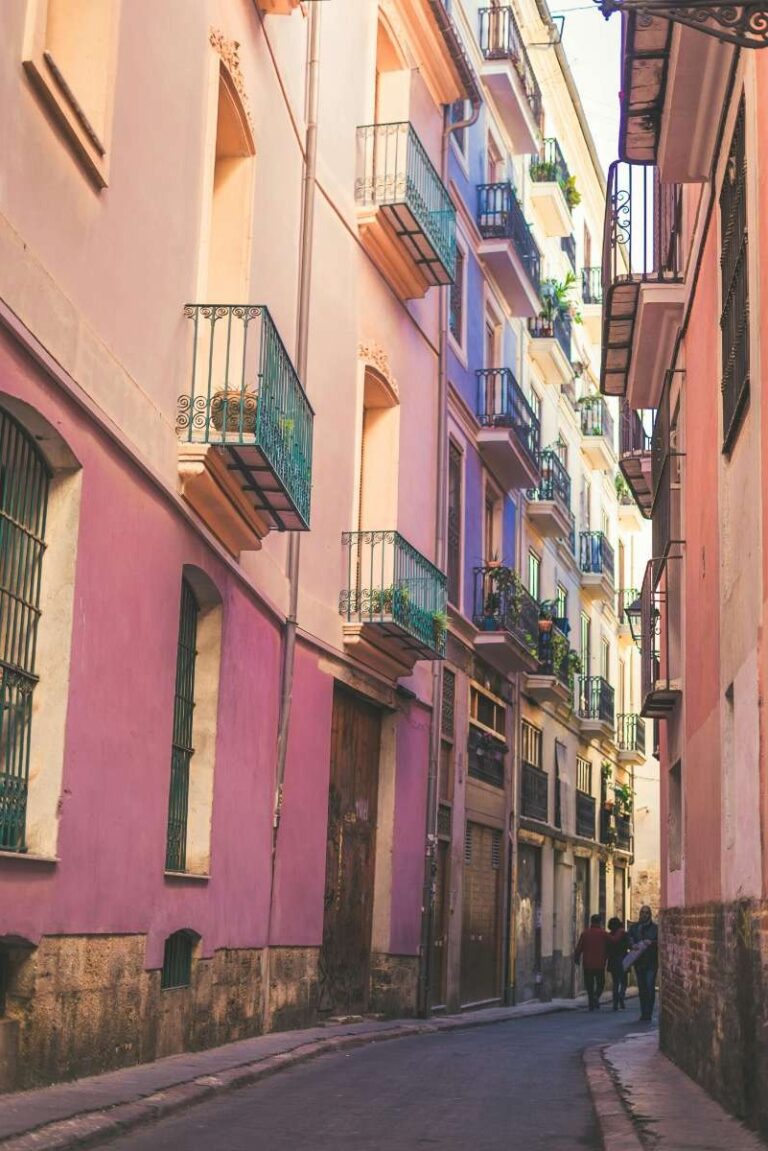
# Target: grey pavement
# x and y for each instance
(73, 1114)
(668, 1110)
(519, 1085)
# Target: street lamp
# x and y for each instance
(634, 614)
(743, 24)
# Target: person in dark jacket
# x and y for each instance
(645, 934)
(593, 947)
(618, 946)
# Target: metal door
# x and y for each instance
(481, 914)
(350, 855)
(528, 926)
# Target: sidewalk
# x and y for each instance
(643, 1102)
(88, 1111)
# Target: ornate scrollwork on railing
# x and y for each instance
(743, 24)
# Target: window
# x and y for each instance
(24, 483)
(231, 197)
(587, 248)
(605, 659)
(495, 164)
(457, 298)
(182, 749)
(530, 744)
(586, 643)
(583, 776)
(486, 748)
(534, 574)
(69, 56)
(454, 524)
(534, 399)
(492, 526)
(675, 818)
(562, 602)
(458, 113)
(492, 356)
(734, 318)
(561, 451)
(177, 961)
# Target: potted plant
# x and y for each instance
(556, 300)
(234, 410)
(573, 665)
(624, 797)
(491, 607)
(543, 171)
(547, 609)
(439, 628)
(571, 192)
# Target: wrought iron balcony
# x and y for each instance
(635, 454)
(592, 285)
(623, 832)
(585, 815)
(595, 701)
(597, 432)
(642, 255)
(607, 826)
(508, 618)
(552, 680)
(394, 600)
(550, 166)
(509, 75)
(665, 479)
(568, 245)
(535, 793)
(550, 503)
(245, 405)
(404, 206)
(485, 757)
(660, 648)
(510, 436)
(559, 327)
(551, 189)
(625, 597)
(510, 248)
(596, 555)
(630, 738)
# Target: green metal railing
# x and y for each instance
(390, 582)
(24, 483)
(630, 733)
(395, 171)
(182, 749)
(245, 396)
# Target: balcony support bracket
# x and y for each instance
(743, 24)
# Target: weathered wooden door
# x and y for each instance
(581, 910)
(528, 925)
(481, 914)
(440, 941)
(351, 854)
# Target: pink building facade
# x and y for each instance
(682, 343)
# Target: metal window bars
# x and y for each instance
(500, 216)
(596, 555)
(501, 403)
(592, 285)
(177, 961)
(660, 636)
(549, 166)
(559, 326)
(501, 39)
(555, 484)
(630, 733)
(596, 699)
(596, 419)
(535, 793)
(501, 603)
(183, 716)
(24, 486)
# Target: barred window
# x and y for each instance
(177, 961)
(734, 319)
(456, 316)
(454, 525)
(583, 775)
(24, 484)
(182, 749)
(530, 744)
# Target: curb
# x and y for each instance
(616, 1127)
(92, 1127)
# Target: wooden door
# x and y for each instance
(528, 925)
(481, 914)
(351, 854)
(440, 939)
(581, 910)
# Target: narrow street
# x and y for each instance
(514, 1085)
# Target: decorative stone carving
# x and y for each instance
(374, 355)
(229, 50)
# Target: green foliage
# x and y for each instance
(556, 297)
(571, 192)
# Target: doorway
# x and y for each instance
(481, 916)
(528, 964)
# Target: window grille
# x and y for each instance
(583, 775)
(177, 961)
(24, 482)
(449, 703)
(496, 850)
(457, 299)
(530, 744)
(468, 844)
(454, 525)
(182, 749)
(734, 319)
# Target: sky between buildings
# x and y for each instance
(592, 45)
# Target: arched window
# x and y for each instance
(177, 960)
(24, 485)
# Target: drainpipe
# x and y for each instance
(294, 538)
(430, 853)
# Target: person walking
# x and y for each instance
(644, 937)
(593, 948)
(618, 946)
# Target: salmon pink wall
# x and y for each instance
(761, 80)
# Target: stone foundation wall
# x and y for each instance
(293, 987)
(85, 1004)
(714, 1001)
(394, 984)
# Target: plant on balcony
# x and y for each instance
(547, 609)
(623, 493)
(571, 192)
(606, 771)
(574, 666)
(556, 298)
(624, 798)
(439, 628)
(543, 171)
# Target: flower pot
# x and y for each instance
(233, 410)
(545, 624)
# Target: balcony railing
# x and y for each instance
(555, 483)
(500, 39)
(535, 793)
(596, 554)
(634, 430)
(665, 476)
(485, 757)
(630, 733)
(502, 404)
(559, 327)
(592, 285)
(596, 419)
(246, 398)
(568, 245)
(391, 584)
(660, 598)
(624, 832)
(499, 216)
(585, 815)
(624, 599)
(641, 244)
(554, 655)
(501, 603)
(549, 167)
(395, 173)
(596, 699)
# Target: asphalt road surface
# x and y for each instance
(515, 1086)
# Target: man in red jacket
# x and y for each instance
(593, 947)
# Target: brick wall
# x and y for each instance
(714, 1018)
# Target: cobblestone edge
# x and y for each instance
(617, 1130)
